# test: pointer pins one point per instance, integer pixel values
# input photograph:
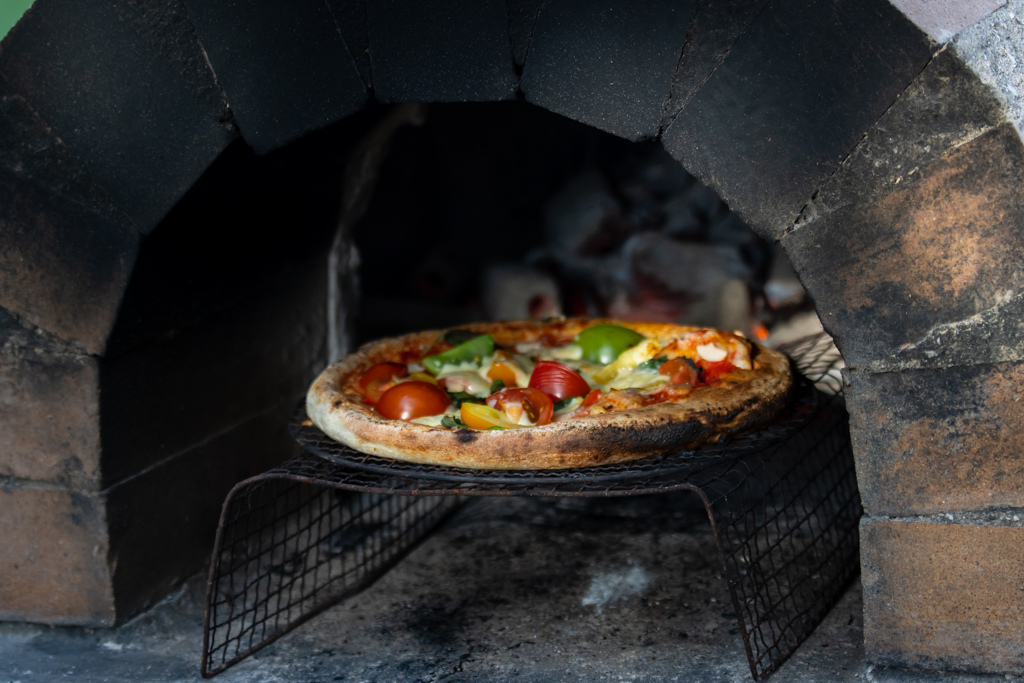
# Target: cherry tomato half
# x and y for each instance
(410, 400)
(712, 371)
(679, 371)
(382, 371)
(591, 398)
(537, 405)
(558, 380)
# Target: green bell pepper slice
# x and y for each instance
(472, 351)
(603, 343)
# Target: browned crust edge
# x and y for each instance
(745, 401)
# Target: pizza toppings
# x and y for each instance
(474, 382)
(558, 380)
(470, 352)
(681, 371)
(378, 379)
(604, 343)
(524, 406)
(409, 400)
(627, 361)
(674, 395)
(479, 416)
(465, 382)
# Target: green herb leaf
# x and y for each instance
(653, 363)
(452, 422)
(494, 427)
(460, 397)
(564, 402)
(497, 386)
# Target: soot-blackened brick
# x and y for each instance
(522, 17)
(351, 18)
(286, 68)
(166, 29)
(946, 105)
(940, 250)
(49, 407)
(244, 223)
(62, 267)
(162, 523)
(926, 441)
(440, 50)
(213, 374)
(794, 96)
(608, 65)
(129, 114)
(31, 150)
(943, 596)
(713, 31)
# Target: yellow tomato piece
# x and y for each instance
(480, 416)
(501, 371)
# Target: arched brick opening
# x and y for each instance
(882, 152)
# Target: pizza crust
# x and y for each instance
(743, 401)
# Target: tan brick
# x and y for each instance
(940, 247)
(943, 596)
(53, 557)
(49, 409)
(927, 441)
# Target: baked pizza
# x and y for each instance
(548, 394)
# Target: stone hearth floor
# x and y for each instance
(532, 590)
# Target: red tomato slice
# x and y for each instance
(385, 371)
(558, 380)
(679, 372)
(410, 400)
(711, 372)
(591, 399)
(536, 403)
(375, 389)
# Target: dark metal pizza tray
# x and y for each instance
(808, 401)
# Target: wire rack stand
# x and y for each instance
(783, 505)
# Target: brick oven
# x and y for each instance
(171, 276)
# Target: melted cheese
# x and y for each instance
(627, 360)
(638, 379)
(435, 420)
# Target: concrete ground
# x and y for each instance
(515, 589)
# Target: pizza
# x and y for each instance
(548, 394)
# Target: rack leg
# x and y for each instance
(788, 538)
(286, 550)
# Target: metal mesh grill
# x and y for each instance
(783, 505)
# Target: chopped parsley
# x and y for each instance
(497, 386)
(653, 363)
(564, 402)
(452, 422)
(460, 397)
